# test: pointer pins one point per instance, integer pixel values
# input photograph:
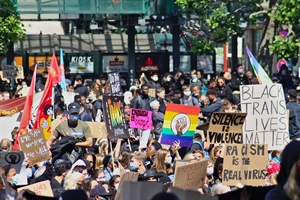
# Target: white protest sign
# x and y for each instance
(144, 139)
(266, 121)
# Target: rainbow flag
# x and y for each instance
(180, 123)
(259, 71)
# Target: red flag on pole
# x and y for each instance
(26, 116)
(45, 108)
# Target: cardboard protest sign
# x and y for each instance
(98, 129)
(140, 190)
(226, 128)
(266, 121)
(124, 178)
(9, 71)
(152, 92)
(20, 72)
(189, 194)
(179, 124)
(245, 164)
(34, 145)
(141, 119)
(113, 110)
(190, 175)
(144, 139)
(41, 188)
(13, 158)
(115, 84)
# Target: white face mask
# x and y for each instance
(210, 170)
(240, 71)
(187, 93)
(168, 160)
(194, 76)
(155, 78)
(91, 97)
(103, 82)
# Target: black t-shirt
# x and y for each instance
(55, 184)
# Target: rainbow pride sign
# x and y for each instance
(179, 124)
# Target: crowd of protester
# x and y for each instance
(97, 173)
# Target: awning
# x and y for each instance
(12, 106)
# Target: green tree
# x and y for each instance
(11, 27)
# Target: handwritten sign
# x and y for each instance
(115, 84)
(113, 110)
(41, 188)
(226, 128)
(152, 92)
(245, 164)
(34, 145)
(98, 129)
(266, 121)
(190, 175)
(141, 119)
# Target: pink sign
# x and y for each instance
(141, 119)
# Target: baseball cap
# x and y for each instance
(77, 77)
(150, 173)
(99, 191)
(70, 194)
(73, 107)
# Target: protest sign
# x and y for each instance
(41, 188)
(152, 92)
(13, 158)
(190, 175)
(245, 164)
(140, 190)
(20, 72)
(179, 124)
(141, 119)
(192, 195)
(34, 145)
(225, 128)
(124, 178)
(144, 139)
(9, 71)
(115, 84)
(266, 121)
(98, 129)
(113, 110)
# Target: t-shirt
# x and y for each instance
(79, 131)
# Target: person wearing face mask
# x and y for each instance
(215, 104)
(137, 162)
(79, 88)
(143, 100)
(40, 84)
(73, 127)
(194, 80)
(188, 99)
(5, 145)
(180, 82)
(162, 161)
(237, 80)
(223, 91)
(167, 83)
(153, 82)
(96, 102)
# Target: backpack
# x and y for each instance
(206, 154)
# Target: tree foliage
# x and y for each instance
(11, 28)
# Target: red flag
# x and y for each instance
(26, 116)
(45, 108)
(56, 75)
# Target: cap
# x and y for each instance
(156, 145)
(274, 78)
(73, 107)
(99, 191)
(68, 81)
(149, 173)
(292, 93)
(164, 179)
(70, 194)
(79, 162)
(77, 77)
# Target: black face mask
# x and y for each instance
(227, 81)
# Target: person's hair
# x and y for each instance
(61, 168)
(198, 151)
(274, 152)
(211, 92)
(86, 184)
(93, 156)
(71, 180)
(99, 160)
(184, 87)
(239, 65)
(213, 153)
(140, 156)
(6, 143)
(95, 173)
(159, 161)
(159, 90)
(196, 86)
(102, 148)
(144, 85)
(154, 104)
(151, 141)
(13, 133)
(189, 157)
(97, 93)
(223, 86)
(226, 105)
(112, 180)
(291, 187)
(125, 161)
(79, 168)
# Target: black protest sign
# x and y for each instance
(140, 190)
(115, 84)
(9, 71)
(13, 158)
(113, 107)
(245, 164)
(266, 121)
(226, 128)
(190, 194)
